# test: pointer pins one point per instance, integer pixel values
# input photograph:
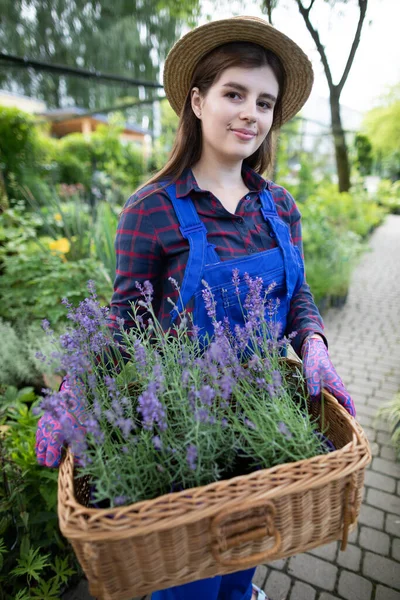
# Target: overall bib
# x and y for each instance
(282, 266)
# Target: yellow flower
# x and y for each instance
(61, 246)
(57, 217)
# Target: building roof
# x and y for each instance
(75, 112)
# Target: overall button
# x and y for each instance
(247, 197)
(272, 234)
(240, 220)
(252, 250)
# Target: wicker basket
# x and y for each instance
(222, 527)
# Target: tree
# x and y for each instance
(382, 125)
(341, 150)
(112, 36)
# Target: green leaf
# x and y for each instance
(47, 590)
(62, 569)
(23, 595)
(31, 564)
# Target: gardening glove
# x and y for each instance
(320, 372)
(49, 436)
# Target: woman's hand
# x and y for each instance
(49, 434)
(320, 372)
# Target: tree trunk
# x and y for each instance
(341, 153)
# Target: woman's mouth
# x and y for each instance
(244, 134)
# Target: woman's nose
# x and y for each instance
(248, 113)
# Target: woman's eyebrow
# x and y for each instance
(243, 88)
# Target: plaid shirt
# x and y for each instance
(150, 246)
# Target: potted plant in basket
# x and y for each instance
(173, 426)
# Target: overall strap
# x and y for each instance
(280, 231)
(192, 229)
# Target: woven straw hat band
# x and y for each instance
(186, 53)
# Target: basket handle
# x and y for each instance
(349, 516)
(242, 531)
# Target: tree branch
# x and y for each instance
(305, 13)
(363, 9)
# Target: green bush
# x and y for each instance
(21, 154)
(334, 225)
(32, 286)
(35, 560)
(388, 195)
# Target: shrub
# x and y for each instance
(35, 560)
(388, 195)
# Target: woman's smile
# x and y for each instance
(244, 134)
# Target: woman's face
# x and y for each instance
(237, 112)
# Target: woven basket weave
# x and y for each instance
(222, 527)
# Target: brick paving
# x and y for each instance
(364, 342)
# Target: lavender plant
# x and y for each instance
(171, 410)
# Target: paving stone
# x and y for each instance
(388, 453)
(80, 592)
(260, 576)
(350, 558)
(392, 524)
(371, 434)
(278, 585)
(352, 539)
(374, 540)
(354, 587)
(371, 516)
(380, 482)
(384, 593)
(382, 438)
(302, 591)
(278, 564)
(328, 552)
(388, 502)
(388, 467)
(313, 570)
(325, 596)
(396, 549)
(383, 570)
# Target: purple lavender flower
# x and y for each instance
(202, 415)
(146, 290)
(226, 385)
(191, 456)
(119, 500)
(151, 408)
(157, 443)
(249, 423)
(174, 282)
(276, 378)
(283, 428)
(209, 301)
(206, 395)
(236, 280)
(91, 286)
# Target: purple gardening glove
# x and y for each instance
(320, 372)
(49, 434)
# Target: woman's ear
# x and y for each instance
(196, 101)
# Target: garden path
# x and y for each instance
(364, 338)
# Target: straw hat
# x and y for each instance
(186, 53)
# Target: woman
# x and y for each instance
(209, 210)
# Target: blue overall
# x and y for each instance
(282, 266)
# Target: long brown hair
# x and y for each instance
(187, 147)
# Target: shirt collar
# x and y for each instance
(187, 182)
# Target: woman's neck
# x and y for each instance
(213, 175)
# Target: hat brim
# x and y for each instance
(186, 53)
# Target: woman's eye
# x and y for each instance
(265, 105)
(232, 95)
